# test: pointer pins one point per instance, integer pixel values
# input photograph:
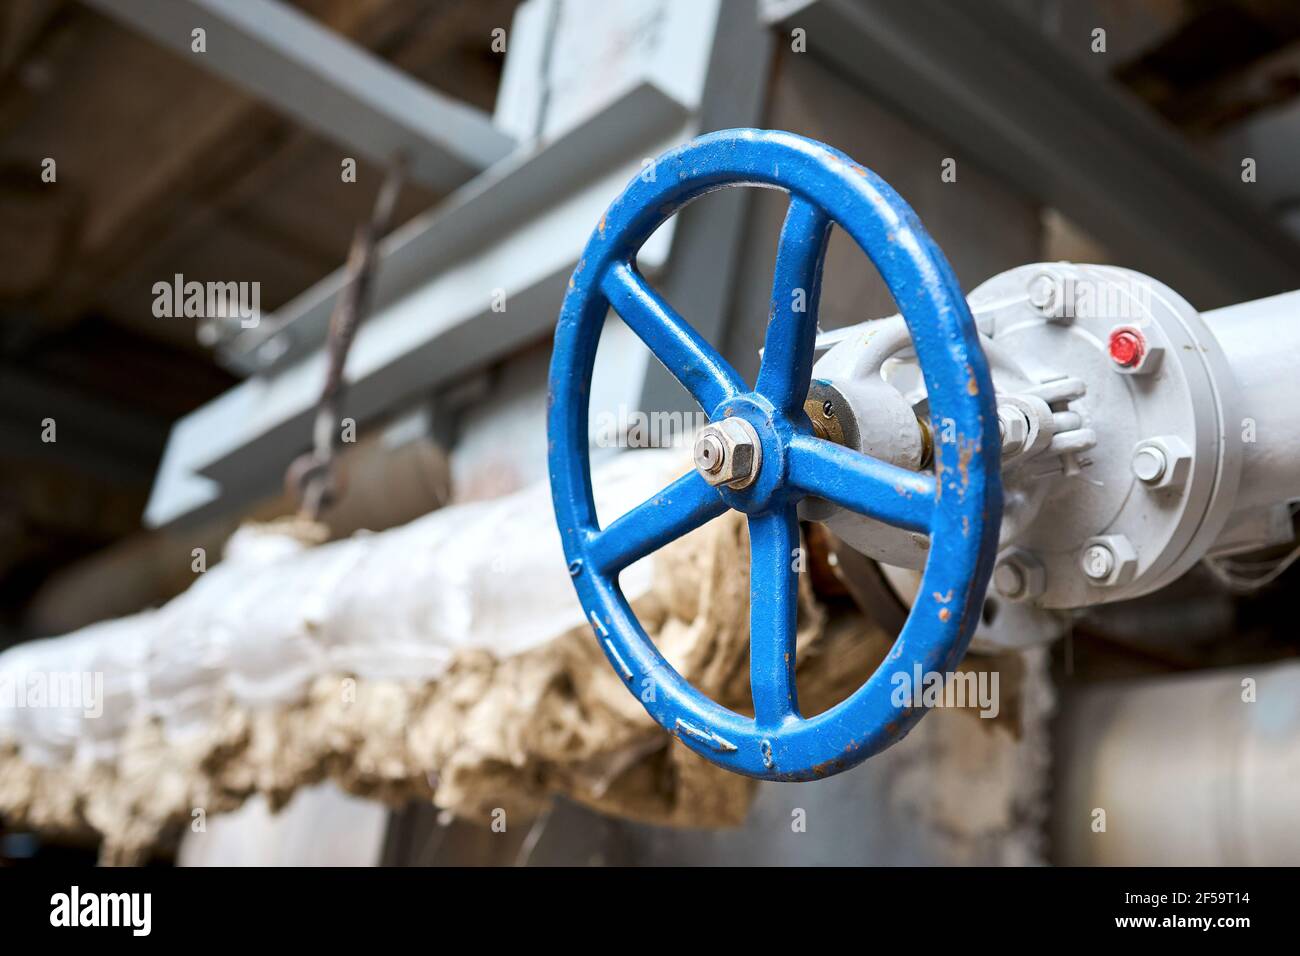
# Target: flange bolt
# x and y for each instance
(1109, 560)
(1019, 575)
(1126, 348)
(1149, 464)
(1098, 562)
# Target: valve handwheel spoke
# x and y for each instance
(683, 351)
(683, 506)
(866, 485)
(773, 600)
(792, 323)
(758, 454)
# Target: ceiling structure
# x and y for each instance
(165, 168)
(162, 168)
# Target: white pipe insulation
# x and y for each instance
(257, 628)
(1189, 770)
(1261, 341)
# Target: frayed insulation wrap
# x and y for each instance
(446, 660)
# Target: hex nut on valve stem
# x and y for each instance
(728, 453)
(708, 454)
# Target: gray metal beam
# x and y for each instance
(463, 224)
(706, 249)
(517, 229)
(1005, 95)
(434, 323)
(311, 74)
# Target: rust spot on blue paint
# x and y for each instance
(828, 768)
(965, 451)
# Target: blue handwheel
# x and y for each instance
(959, 506)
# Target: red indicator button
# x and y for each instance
(1126, 347)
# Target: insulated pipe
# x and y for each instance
(1197, 770)
(1261, 341)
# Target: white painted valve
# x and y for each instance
(1125, 418)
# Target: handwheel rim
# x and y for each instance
(963, 515)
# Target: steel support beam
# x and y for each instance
(465, 223)
(1009, 97)
(434, 322)
(330, 85)
(517, 232)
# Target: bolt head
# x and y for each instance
(1108, 560)
(1126, 347)
(1172, 455)
(740, 453)
(1132, 352)
(1008, 580)
(1050, 295)
(1149, 464)
(1042, 291)
(1013, 426)
(1098, 562)
(1019, 575)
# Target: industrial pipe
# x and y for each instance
(1195, 770)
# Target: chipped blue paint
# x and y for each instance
(960, 505)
